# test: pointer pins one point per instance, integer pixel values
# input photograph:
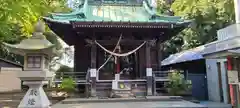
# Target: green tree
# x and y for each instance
(208, 16)
(22, 14)
(18, 17)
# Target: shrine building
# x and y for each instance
(117, 44)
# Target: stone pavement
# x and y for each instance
(211, 104)
(129, 99)
(156, 104)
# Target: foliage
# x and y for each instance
(22, 14)
(18, 17)
(208, 16)
(68, 85)
(164, 7)
(177, 83)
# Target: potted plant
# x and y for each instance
(178, 85)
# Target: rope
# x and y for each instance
(120, 55)
(116, 54)
(120, 38)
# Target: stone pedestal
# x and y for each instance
(118, 91)
(35, 96)
(115, 82)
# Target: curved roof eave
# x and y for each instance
(47, 19)
(80, 15)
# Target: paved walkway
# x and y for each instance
(164, 104)
(210, 104)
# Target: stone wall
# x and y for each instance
(9, 80)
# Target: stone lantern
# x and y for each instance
(37, 52)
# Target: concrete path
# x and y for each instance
(164, 104)
(210, 104)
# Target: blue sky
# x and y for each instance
(71, 3)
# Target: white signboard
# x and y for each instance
(149, 71)
(232, 76)
(93, 72)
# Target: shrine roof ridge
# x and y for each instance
(114, 13)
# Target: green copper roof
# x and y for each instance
(114, 13)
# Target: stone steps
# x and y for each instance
(103, 89)
(113, 100)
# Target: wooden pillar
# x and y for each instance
(93, 70)
(149, 70)
(234, 89)
(142, 62)
(160, 54)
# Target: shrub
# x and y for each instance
(68, 85)
(177, 83)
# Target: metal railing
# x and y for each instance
(161, 75)
(79, 77)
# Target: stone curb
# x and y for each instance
(97, 100)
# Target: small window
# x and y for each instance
(34, 61)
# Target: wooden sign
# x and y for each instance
(232, 77)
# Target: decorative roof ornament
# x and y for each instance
(39, 29)
(37, 43)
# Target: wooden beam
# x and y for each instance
(160, 48)
(93, 68)
(149, 69)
